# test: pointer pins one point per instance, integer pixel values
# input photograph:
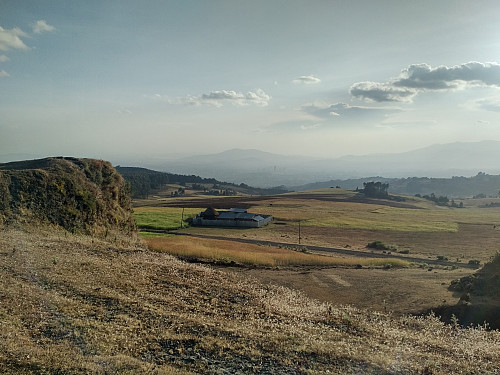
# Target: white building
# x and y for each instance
(234, 217)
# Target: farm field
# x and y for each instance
(341, 219)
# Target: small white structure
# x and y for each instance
(234, 217)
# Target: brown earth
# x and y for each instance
(398, 291)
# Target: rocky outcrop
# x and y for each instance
(81, 195)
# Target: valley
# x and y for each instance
(439, 244)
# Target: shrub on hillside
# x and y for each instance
(379, 245)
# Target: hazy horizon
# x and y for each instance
(126, 80)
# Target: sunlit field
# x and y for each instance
(217, 251)
(162, 218)
(329, 218)
(352, 215)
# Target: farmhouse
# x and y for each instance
(234, 217)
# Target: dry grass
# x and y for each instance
(218, 251)
(75, 305)
(369, 216)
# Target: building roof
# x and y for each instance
(210, 212)
(241, 210)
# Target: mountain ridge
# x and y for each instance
(260, 168)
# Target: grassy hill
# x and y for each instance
(144, 182)
(78, 194)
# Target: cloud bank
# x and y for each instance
(418, 78)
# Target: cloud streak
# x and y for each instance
(307, 80)
(418, 78)
(338, 110)
(221, 97)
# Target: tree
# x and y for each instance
(376, 189)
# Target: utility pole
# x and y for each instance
(182, 218)
(299, 233)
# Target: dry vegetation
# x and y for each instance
(228, 252)
(76, 305)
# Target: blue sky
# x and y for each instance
(125, 80)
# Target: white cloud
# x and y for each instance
(11, 39)
(307, 80)
(381, 92)
(41, 26)
(490, 104)
(219, 98)
(4, 74)
(343, 110)
(417, 78)
(4, 58)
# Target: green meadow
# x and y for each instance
(163, 218)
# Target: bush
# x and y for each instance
(379, 245)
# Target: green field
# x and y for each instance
(163, 218)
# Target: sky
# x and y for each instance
(135, 80)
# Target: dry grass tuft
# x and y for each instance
(75, 305)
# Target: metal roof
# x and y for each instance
(227, 215)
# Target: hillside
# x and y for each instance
(479, 297)
(144, 182)
(82, 195)
(77, 305)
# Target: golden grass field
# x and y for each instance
(80, 305)
(218, 251)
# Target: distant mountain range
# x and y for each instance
(258, 168)
(263, 169)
